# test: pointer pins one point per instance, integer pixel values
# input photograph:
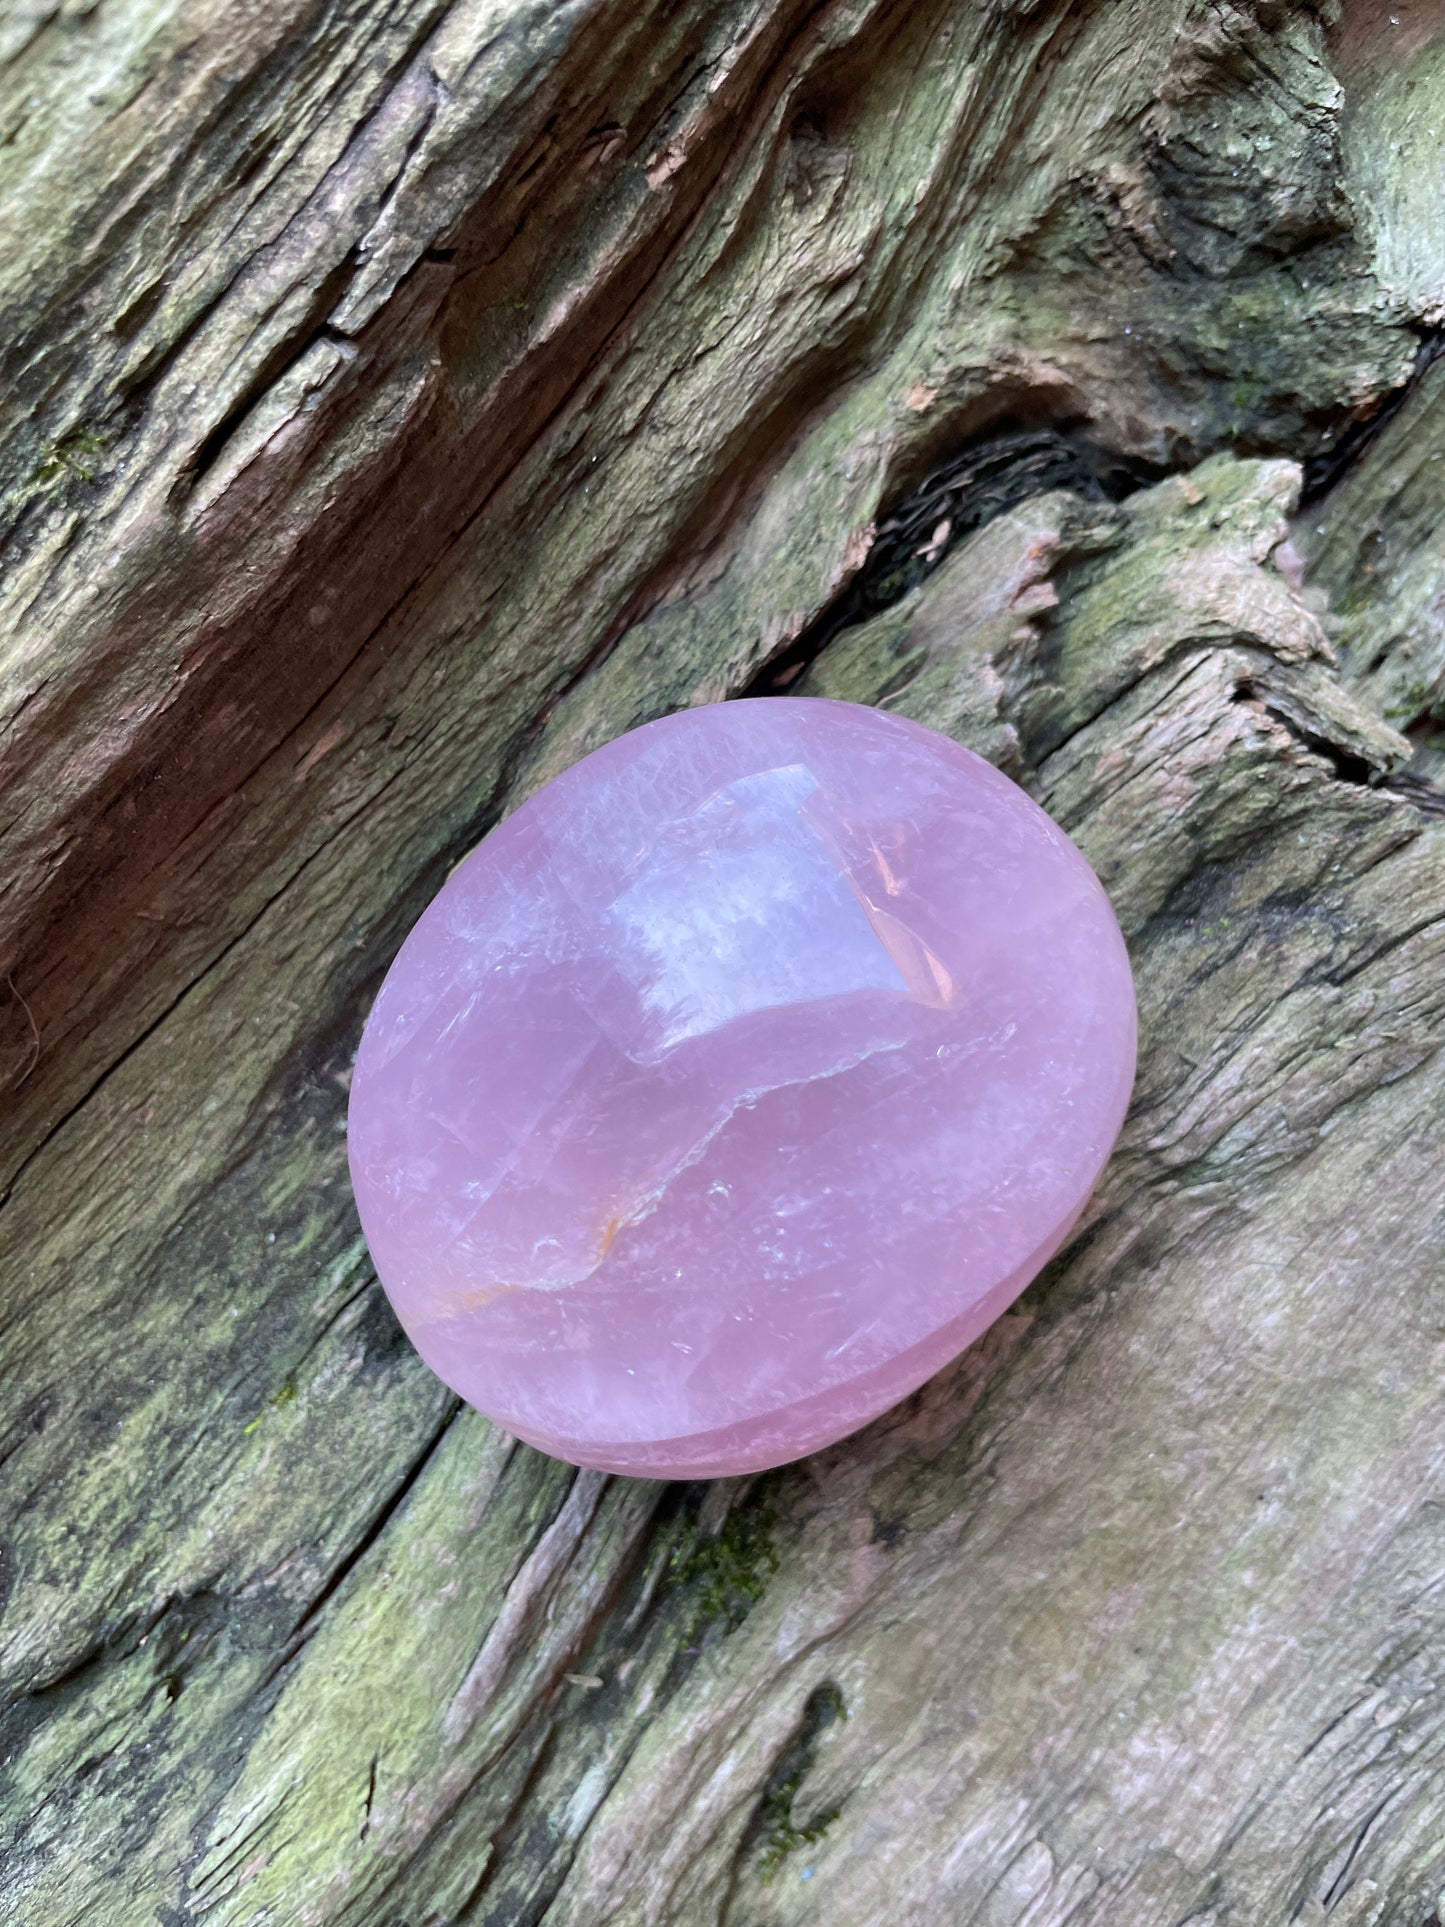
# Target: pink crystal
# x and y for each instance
(736, 1083)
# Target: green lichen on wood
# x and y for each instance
(75, 457)
(726, 1571)
(777, 1831)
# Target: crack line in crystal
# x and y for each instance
(647, 1205)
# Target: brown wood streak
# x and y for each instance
(246, 683)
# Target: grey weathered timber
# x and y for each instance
(400, 399)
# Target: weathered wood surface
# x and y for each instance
(401, 398)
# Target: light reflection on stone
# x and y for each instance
(735, 1083)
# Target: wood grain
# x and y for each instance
(400, 399)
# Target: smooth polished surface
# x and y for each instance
(735, 1083)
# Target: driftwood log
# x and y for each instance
(401, 397)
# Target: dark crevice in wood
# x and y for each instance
(1329, 1727)
(1324, 469)
(650, 1600)
(1417, 789)
(1205, 1910)
(772, 1832)
(1359, 965)
(413, 146)
(505, 1840)
(917, 532)
(370, 1796)
(1347, 766)
(181, 992)
(380, 1520)
(312, 328)
(530, 1851)
(184, 1628)
(1340, 1885)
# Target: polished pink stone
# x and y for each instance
(737, 1082)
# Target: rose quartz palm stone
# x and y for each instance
(736, 1083)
